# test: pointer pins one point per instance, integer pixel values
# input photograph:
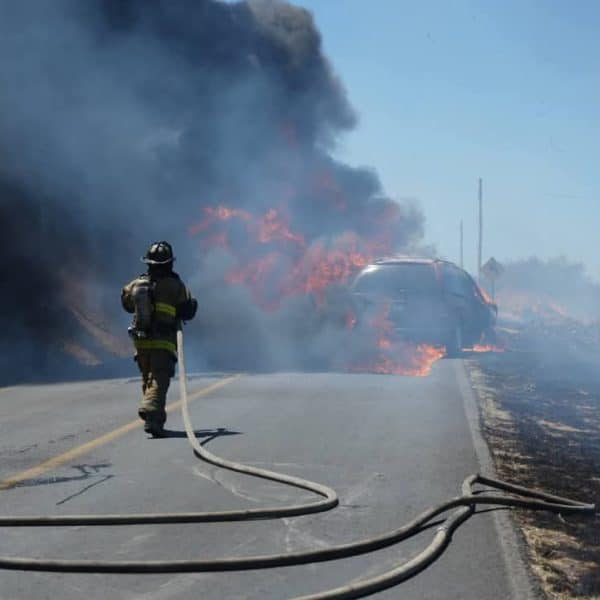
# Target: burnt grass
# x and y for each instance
(540, 414)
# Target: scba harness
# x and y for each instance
(153, 321)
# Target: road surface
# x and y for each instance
(390, 446)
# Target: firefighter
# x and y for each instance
(159, 301)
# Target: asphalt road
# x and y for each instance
(391, 446)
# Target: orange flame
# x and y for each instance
(485, 295)
(483, 348)
(413, 360)
(286, 265)
(300, 269)
(397, 357)
(273, 227)
(311, 273)
(321, 266)
(216, 214)
(520, 305)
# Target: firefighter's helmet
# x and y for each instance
(159, 253)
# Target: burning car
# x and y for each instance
(425, 300)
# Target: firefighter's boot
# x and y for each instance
(151, 425)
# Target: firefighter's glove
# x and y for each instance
(186, 311)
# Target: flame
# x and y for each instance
(291, 267)
(270, 227)
(485, 295)
(310, 274)
(320, 266)
(404, 359)
(397, 357)
(483, 348)
(215, 214)
(275, 262)
(315, 266)
(521, 305)
(273, 226)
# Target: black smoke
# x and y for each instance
(120, 120)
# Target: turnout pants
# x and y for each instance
(157, 367)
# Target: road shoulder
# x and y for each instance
(513, 548)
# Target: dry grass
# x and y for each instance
(543, 431)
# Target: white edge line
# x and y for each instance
(520, 578)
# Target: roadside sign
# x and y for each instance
(492, 269)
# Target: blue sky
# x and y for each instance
(447, 92)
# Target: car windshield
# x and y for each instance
(392, 279)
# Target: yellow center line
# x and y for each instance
(69, 455)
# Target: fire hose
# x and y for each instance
(515, 496)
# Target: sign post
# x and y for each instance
(492, 270)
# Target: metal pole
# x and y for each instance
(42, 350)
(462, 254)
(480, 244)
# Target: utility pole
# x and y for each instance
(462, 254)
(480, 244)
(41, 351)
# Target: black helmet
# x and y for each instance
(159, 253)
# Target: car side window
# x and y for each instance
(457, 282)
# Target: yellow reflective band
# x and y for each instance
(167, 309)
(155, 345)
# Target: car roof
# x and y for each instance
(402, 260)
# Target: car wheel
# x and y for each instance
(454, 344)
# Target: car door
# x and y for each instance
(462, 300)
(455, 291)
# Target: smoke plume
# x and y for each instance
(129, 121)
(534, 289)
